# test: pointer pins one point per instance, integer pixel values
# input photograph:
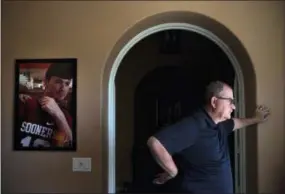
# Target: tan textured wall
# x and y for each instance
(88, 31)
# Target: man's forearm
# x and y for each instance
(162, 157)
(62, 124)
(244, 122)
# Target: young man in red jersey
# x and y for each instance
(45, 121)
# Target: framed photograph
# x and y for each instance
(45, 104)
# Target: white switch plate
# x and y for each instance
(81, 164)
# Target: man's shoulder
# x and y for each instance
(229, 123)
(200, 119)
(198, 115)
(30, 104)
(191, 121)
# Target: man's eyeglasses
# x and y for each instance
(232, 101)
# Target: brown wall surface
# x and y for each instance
(88, 31)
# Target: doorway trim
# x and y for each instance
(240, 135)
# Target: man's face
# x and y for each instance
(57, 87)
(224, 103)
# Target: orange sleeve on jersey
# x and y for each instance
(60, 138)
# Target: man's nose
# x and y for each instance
(233, 106)
(61, 86)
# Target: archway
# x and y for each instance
(181, 21)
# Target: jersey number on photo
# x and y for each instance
(26, 142)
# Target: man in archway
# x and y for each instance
(201, 141)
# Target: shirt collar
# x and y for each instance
(208, 119)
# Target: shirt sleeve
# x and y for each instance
(179, 136)
(228, 126)
(68, 117)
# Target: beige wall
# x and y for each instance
(88, 31)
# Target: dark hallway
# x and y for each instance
(170, 91)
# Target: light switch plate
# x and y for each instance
(81, 164)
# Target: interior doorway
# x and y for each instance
(177, 66)
(113, 103)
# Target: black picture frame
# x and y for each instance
(34, 127)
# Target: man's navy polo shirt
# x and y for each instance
(201, 147)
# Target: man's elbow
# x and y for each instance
(154, 145)
(151, 142)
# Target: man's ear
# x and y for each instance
(213, 102)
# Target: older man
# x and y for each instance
(201, 144)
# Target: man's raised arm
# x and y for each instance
(261, 115)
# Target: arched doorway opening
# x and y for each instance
(109, 117)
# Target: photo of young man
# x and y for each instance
(45, 119)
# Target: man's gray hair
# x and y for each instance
(214, 89)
